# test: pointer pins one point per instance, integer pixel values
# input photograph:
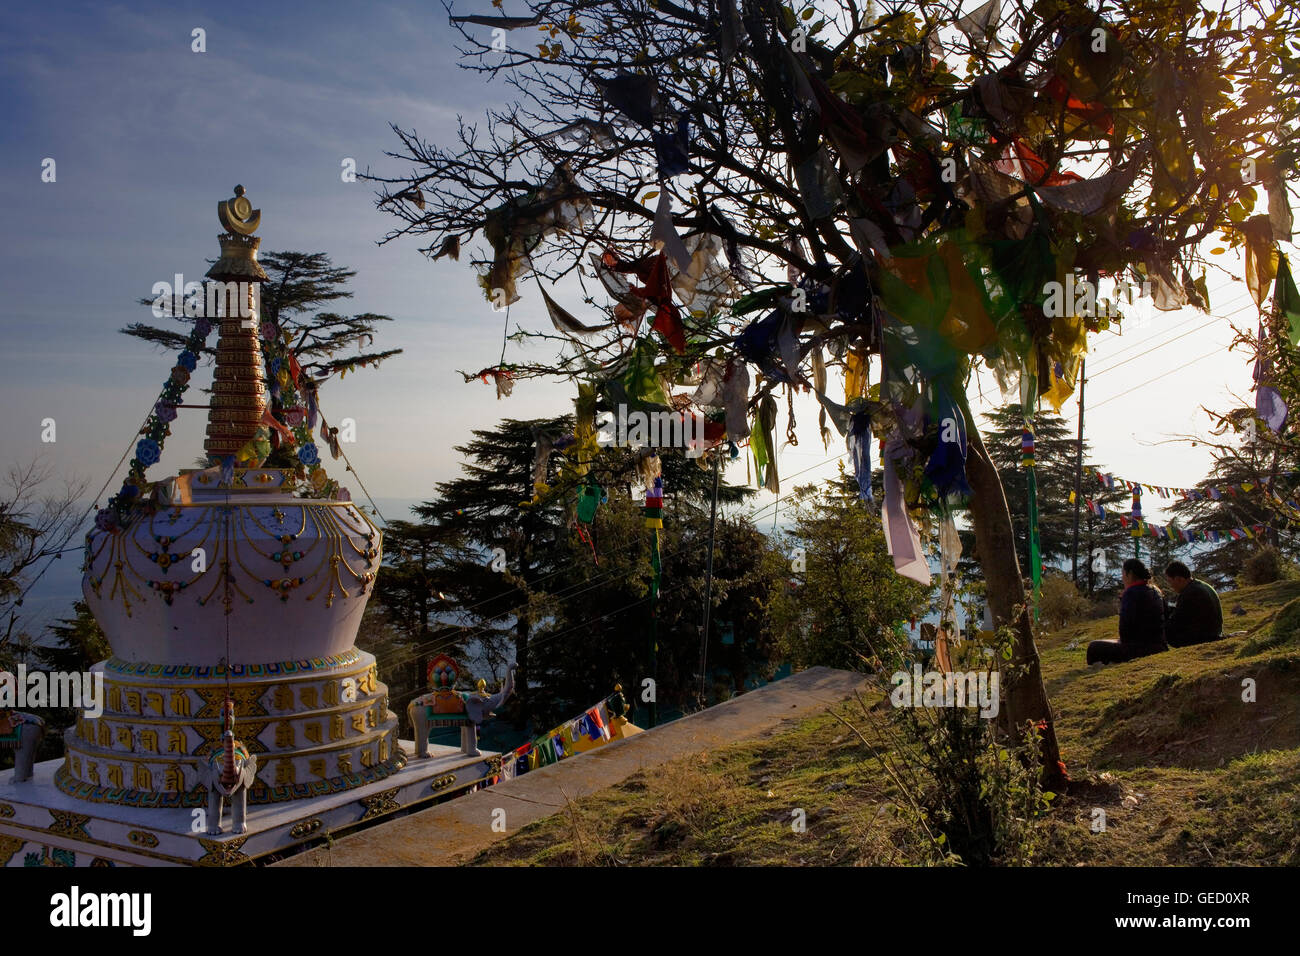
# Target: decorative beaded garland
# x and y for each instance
(149, 448)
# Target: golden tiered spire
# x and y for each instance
(238, 400)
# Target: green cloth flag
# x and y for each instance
(637, 384)
(1287, 299)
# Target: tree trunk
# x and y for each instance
(1026, 697)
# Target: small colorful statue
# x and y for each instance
(229, 771)
(21, 733)
(445, 706)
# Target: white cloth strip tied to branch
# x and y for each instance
(565, 323)
(665, 233)
(901, 537)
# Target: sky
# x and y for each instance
(148, 135)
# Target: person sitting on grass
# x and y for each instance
(1197, 617)
(1141, 620)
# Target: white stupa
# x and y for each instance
(241, 581)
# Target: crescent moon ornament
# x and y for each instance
(238, 215)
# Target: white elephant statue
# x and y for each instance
(228, 772)
(21, 733)
(445, 707)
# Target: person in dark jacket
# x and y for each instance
(1141, 620)
(1197, 617)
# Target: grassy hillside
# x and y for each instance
(1184, 770)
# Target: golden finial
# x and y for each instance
(238, 215)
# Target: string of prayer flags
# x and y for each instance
(709, 281)
(519, 225)
(502, 377)
(770, 343)
(1269, 404)
(665, 233)
(629, 308)
(584, 131)
(946, 468)
(1261, 257)
(726, 386)
(565, 323)
(654, 504)
(587, 731)
(1140, 528)
(732, 34)
(735, 395)
(636, 383)
(981, 25)
(1027, 445)
(654, 520)
(1211, 492)
(657, 290)
(505, 23)
(590, 497)
(762, 442)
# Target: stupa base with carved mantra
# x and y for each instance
(316, 727)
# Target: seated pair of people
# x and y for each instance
(1144, 625)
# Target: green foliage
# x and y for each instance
(36, 521)
(842, 610)
(1060, 601)
(977, 798)
(491, 572)
(596, 623)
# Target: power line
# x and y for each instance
(1213, 321)
(1156, 378)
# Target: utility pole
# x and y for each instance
(1091, 542)
(708, 579)
(1078, 478)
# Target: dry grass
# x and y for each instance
(1185, 772)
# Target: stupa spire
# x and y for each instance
(239, 399)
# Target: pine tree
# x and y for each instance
(78, 643)
(1055, 448)
(1265, 461)
(505, 568)
(840, 605)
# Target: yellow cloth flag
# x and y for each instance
(855, 376)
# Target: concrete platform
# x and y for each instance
(448, 833)
(38, 818)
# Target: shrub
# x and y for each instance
(976, 792)
(1059, 601)
(970, 793)
(1264, 567)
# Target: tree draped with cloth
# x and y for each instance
(753, 195)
